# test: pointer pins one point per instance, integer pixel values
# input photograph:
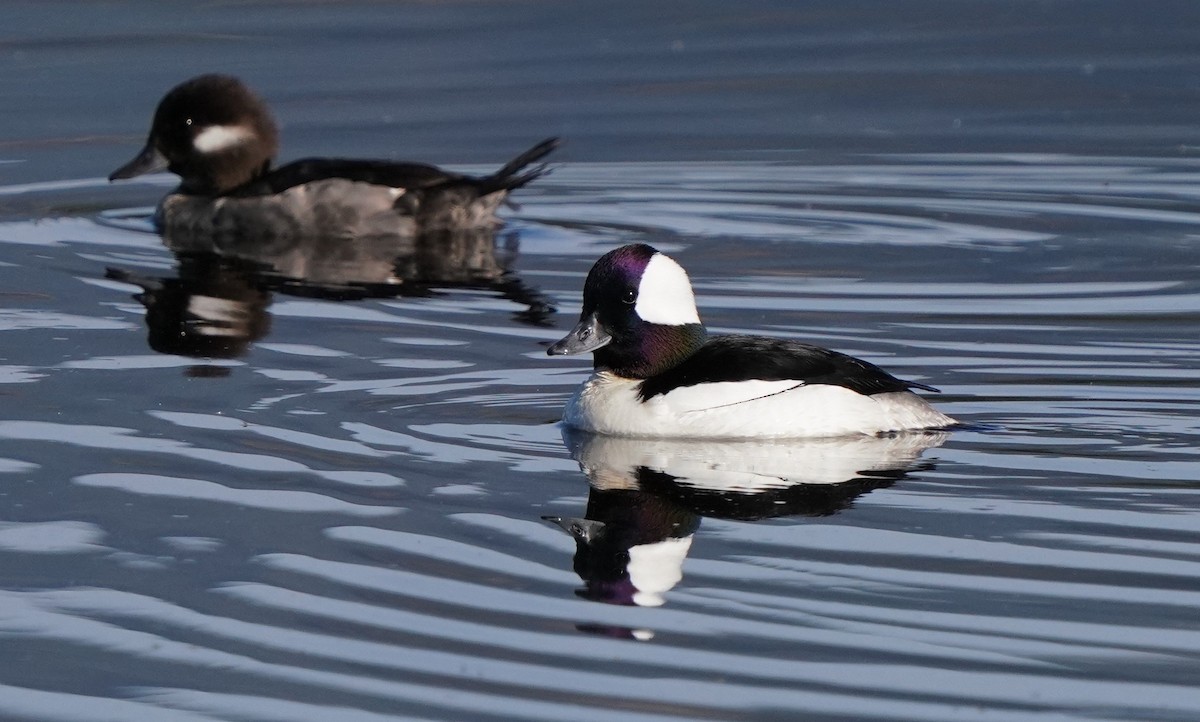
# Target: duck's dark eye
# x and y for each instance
(188, 121)
(630, 296)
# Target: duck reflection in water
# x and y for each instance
(647, 497)
(216, 306)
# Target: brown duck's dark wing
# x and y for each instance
(759, 358)
(413, 176)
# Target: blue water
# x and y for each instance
(272, 486)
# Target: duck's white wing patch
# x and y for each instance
(216, 138)
(706, 397)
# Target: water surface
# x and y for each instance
(296, 487)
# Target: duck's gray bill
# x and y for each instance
(148, 161)
(588, 335)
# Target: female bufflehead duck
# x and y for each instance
(658, 373)
(220, 139)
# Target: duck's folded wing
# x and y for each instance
(735, 369)
(411, 176)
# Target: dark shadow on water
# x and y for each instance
(647, 497)
(216, 305)
(213, 308)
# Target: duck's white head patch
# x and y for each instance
(217, 138)
(665, 294)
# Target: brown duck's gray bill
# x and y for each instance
(588, 335)
(148, 161)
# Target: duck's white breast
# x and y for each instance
(608, 404)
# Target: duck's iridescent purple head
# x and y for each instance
(639, 314)
(212, 131)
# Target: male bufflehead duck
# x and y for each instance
(659, 375)
(220, 139)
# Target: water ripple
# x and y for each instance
(357, 512)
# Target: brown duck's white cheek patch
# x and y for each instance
(217, 138)
(665, 294)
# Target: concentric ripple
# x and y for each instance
(363, 509)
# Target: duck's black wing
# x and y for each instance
(759, 358)
(413, 176)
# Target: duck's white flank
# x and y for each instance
(609, 404)
(665, 294)
(216, 138)
(706, 397)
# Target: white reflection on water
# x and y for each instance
(137, 362)
(51, 537)
(101, 437)
(233, 424)
(18, 375)
(450, 449)
(200, 490)
(27, 703)
(12, 319)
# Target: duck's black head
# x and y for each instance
(212, 131)
(639, 314)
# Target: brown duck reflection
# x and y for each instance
(216, 305)
(647, 497)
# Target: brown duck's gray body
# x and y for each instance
(325, 208)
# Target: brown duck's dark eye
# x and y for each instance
(188, 121)
(630, 296)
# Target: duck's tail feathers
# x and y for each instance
(923, 387)
(517, 172)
